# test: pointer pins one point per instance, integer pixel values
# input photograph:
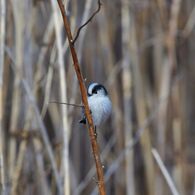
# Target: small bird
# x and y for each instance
(99, 104)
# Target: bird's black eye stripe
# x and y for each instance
(94, 91)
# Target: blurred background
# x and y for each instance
(144, 54)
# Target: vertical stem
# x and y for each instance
(127, 90)
(63, 98)
(2, 45)
(140, 105)
(18, 14)
(166, 80)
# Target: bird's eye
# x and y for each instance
(94, 91)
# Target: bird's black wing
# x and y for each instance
(83, 120)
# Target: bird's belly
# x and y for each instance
(100, 109)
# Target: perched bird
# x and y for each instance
(99, 104)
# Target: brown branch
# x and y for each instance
(89, 20)
(100, 175)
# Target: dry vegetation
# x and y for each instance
(143, 52)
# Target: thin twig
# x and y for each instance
(165, 172)
(95, 148)
(89, 20)
(68, 104)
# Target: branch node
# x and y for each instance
(72, 41)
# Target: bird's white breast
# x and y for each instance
(100, 107)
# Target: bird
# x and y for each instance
(99, 104)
